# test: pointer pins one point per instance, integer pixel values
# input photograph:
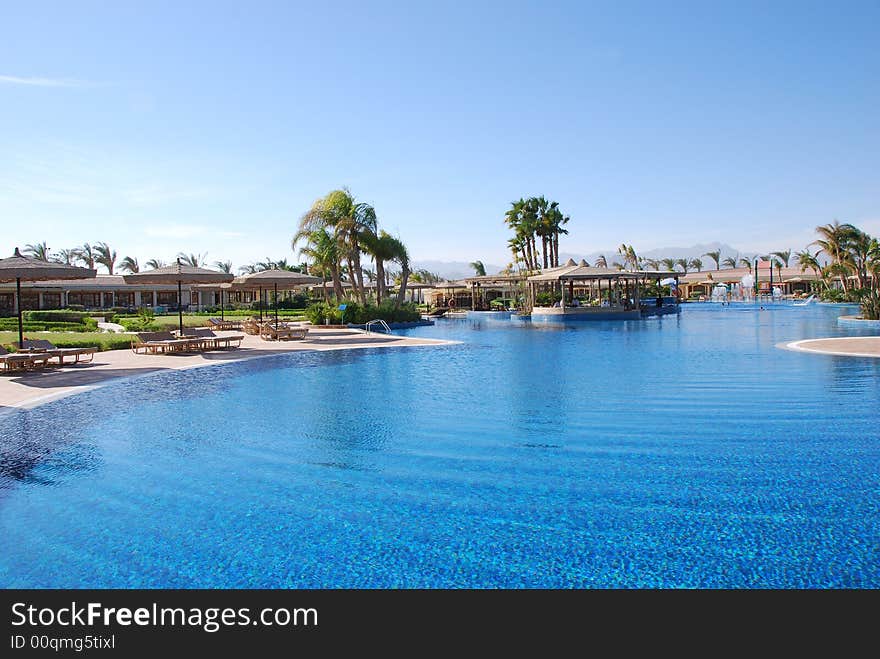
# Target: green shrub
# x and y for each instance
(870, 305)
(547, 298)
(358, 315)
(55, 316)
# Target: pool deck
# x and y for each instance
(28, 389)
(852, 346)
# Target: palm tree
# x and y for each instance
(684, 263)
(105, 256)
(401, 257)
(65, 256)
(630, 258)
(223, 266)
(322, 249)
(834, 240)
(39, 251)
(784, 256)
(746, 261)
(601, 261)
(383, 248)
(668, 263)
(195, 260)
(652, 264)
(715, 255)
(479, 268)
(807, 260)
(696, 264)
(86, 255)
(155, 264)
(130, 264)
(730, 262)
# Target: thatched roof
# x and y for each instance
(178, 272)
(30, 269)
(270, 278)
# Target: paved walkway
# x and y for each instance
(851, 346)
(27, 389)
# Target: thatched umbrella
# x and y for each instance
(286, 279)
(17, 268)
(182, 274)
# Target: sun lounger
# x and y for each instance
(22, 360)
(251, 326)
(211, 341)
(155, 342)
(44, 345)
(224, 325)
(282, 332)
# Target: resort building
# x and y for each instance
(789, 281)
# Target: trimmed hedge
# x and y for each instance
(358, 315)
(56, 316)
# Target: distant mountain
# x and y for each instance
(692, 252)
(452, 269)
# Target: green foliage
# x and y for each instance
(547, 298)
(871, 304)
(357, 314)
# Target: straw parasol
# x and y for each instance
(286, 279)
(182, 274)
(17, 268)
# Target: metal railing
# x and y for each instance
(380, 323)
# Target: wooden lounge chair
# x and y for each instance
(155, 342)
(211, 341)
(11, 361)
(282, 332)
(224, 325)
(251, 326)
(43, 345)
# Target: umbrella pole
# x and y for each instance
(276, 304)
(180, 304)
(18, 307)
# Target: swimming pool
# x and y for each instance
(681, 451)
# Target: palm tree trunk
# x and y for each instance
(337, 282)
(359, 273)
(544, 253)
(404, 275)
(380, 281)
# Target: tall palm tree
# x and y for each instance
(730, 262)
(746, 261)
(401, 257)
(223, 266)
(684, 263)
(805, 259)
(105, 256)
(86, 255)
(834, 240)
(383, 248)
(65, 256)
(630, 258)
(668, 263)
(601, 261)
(323, 251)
(696, 264)
(155, 264)
(479, 268)
(130, 264)
(195, 260)
(39, 251)
(715, 255)
(784, 256)
(652, 264)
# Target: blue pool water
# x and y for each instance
(675, 452)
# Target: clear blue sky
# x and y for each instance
(211, 127)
